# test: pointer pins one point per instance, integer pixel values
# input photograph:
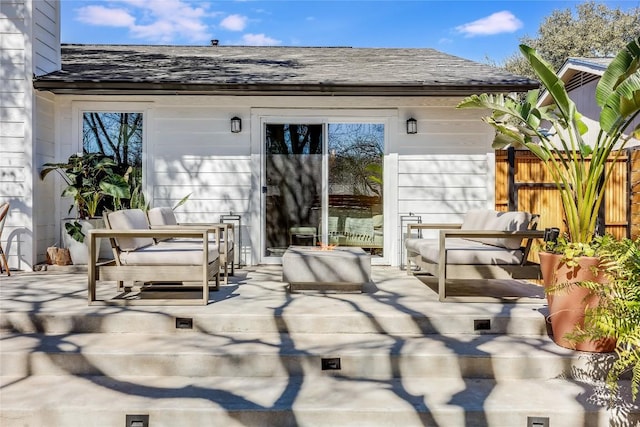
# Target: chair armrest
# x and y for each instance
(163, 232)
(227, 229)
(435, 226)
(525, 234)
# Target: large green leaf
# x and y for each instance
(70, 192)
(551, 81)
(629, 92)
(622, 103)
(504, 139)
(623, 65)
(116, 186)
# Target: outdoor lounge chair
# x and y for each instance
(164, 217)
(143, 255)
(4, 213)
(487, 245)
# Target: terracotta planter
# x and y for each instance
(567, 307)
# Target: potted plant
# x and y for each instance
(578, 167)
(617, 314)
(93, 182)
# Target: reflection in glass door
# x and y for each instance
(293, 158)
(323, 190)
(355, 208)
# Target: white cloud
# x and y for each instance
(100, 15)
(259, 40)
(164, 21)
(497, 23)
(234, 23)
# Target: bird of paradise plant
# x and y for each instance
(578, 167)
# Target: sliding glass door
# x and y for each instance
(323, 186)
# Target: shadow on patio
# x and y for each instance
(254, 357)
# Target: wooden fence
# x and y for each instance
(522, 183)
(634, 192)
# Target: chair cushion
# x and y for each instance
(359, 227)
(162, 216)
(378, 221)
(170, 253)
(486, 219)
(463, 252)
(129, 219)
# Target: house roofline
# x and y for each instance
(320, 89)
(571, 67)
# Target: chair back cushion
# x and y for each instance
(162, 216)
(486, 219)
(129, 219)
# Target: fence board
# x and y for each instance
(621, 212)
(634, 190)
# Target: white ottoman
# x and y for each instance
(343, 269)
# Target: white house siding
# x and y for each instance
(192, 151)
(45, 194)
(15, 111)
(46, 36)
(448, 167)
(439, 173)
(28, 40)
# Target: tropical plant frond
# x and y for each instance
(623, 65)
(182, 201)
(617, 314)
(578, 169)
(551, 81)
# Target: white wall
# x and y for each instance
(438, 173)
(29, 40)
(15, 132)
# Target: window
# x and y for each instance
(117, 135)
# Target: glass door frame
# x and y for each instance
(326, 117)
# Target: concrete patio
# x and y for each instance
(258, 355)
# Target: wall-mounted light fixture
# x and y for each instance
(412, 126)
(236, 124)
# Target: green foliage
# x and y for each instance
(92, 181)
(577, 168)
(595, 30)
(570, 251)
(74, 229)
(618, 312)
(182, 201)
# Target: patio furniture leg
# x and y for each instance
(4, 261)
(442, 269)
(4, 212)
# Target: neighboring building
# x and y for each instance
(581, 77)
(327, 105)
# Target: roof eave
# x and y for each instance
(323, 89)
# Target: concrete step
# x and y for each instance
(371, 356)
(257, 301)
(253, 356)
(519, 321)
(319, 401)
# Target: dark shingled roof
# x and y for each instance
(278, 70)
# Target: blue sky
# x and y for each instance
(475, 30)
